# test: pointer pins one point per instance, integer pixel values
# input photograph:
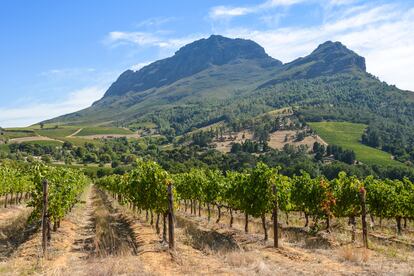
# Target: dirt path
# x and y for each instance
(103, 238)
(156, 259)
(75, 133)
(100, 240)
(74, 239)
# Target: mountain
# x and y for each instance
(233, 80)
(212, 69)
(190, 60)
(328, 59)
(208, 70)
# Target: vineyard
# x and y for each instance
(262, 190)
(149, 201)
(64, 186)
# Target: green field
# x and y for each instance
(348, 136)
(103, 131)
(45, 143)
(57, 132)
(11, 134)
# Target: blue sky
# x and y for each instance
(60, 56)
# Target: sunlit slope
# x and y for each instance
(348, 136)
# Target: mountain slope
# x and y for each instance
(189, 60)
(234, 79)
(214, 69)
(328, 59)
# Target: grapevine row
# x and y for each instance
(64, 185)
(144, 188)
(14, 180)
(256, 192)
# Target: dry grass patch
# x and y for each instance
(113, 234)
(353, 254)
(249, 263)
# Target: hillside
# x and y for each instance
(234, 80)
(208, 70)
(348, 136)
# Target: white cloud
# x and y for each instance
(226, 12)
(37, 111)
(66, 72)
(383, 34)
(117, 38)
(139, 38)
(341, 2)
(154, 22)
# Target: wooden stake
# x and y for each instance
(246, 223)
(164, 227)
(45, 223)
(263, 216)
(157, 223)
(171, 243)
(275, 220)
(363, 194)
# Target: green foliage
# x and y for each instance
(14, 178)
(313, 196)
(347, 194)
(390, 198)
(145, 186)
(348, 135)
(64, 187)
(257, 195)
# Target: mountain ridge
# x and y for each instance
(219, 70)
(189, 60)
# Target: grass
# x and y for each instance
(32, 127)
(57, 132)
(356, 255)
(11, 134)
(348, 135)
(45, 143)
(103, 131)
(79, 141)
(275, 112)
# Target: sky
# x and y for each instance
(58, 57)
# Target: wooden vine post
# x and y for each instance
(363, 195)
(275, 219)
(45, 218)
(171, 243)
